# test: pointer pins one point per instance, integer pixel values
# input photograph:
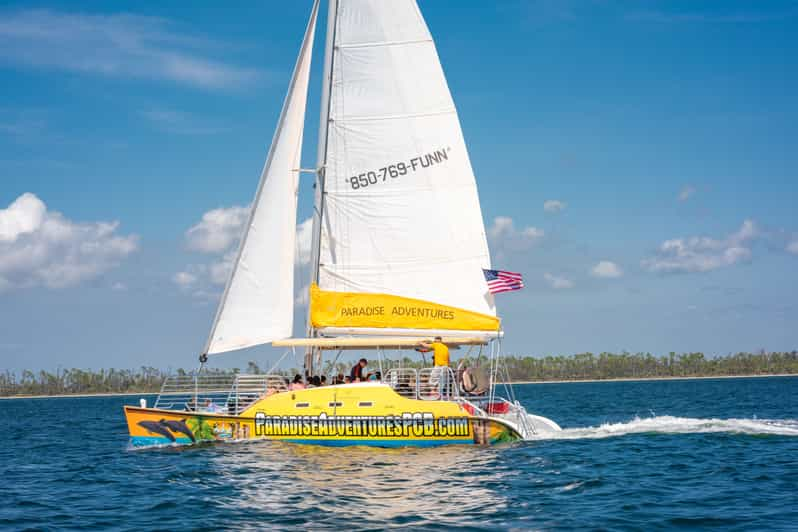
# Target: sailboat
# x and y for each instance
(398, 253)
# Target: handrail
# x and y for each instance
(227, 394)
(428, 384)
(404, 381)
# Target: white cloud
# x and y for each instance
(218, 234)
(220, 270)
(184, 279)
(43, 248)
(703, 254)
(606, 269)
(303, 296)
(558, 282)
(178, 122)
(504, 228)
(120, 45)
(554, 205)
(532, 233)
(23, 216)
(502, 225)
(218, 230)
(686, 193)
(304, 241)
(792, 247)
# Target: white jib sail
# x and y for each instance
(401, 212)
(258, 303)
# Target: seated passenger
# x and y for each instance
(316, 381)
(212, 407)
(323, 380)
(297, 383)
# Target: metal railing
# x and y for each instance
(437, 383)
(429, 384)
(222, 394)
(404, 381)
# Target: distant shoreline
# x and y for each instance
(561, 381)
(633, 379)
(104, 394)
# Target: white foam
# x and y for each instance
(675, 425)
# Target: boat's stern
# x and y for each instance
(152, 426)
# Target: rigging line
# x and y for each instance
(280, 360)
(335, 360)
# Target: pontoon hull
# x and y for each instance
(336, 415)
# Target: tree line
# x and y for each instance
(518, 368)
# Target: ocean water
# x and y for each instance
(633, 455)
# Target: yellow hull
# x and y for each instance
(351, 414)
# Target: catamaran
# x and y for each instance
(398, 257)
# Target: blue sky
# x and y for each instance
(662, 134)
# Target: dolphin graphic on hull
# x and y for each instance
(155, 427)
(179, 427)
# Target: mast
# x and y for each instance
(321, 158)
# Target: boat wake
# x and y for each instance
(675, 425)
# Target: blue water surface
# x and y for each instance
(634, 455)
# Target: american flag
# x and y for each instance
(500, 281)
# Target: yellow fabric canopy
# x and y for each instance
(348, 309)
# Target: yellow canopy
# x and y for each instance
(356, 310)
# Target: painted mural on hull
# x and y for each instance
(157, 427)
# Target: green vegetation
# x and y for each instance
(581, 366)
(646, 365)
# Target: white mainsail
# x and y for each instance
(400, 211)
(258, 302)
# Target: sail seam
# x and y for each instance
(392, 117)
(379, 44)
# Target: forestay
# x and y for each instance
(401, 213)
(258, 302)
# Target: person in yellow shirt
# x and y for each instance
(440, 359)
(440, 352)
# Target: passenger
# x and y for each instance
(297, 383)
(323, 380)
(340, 378)
(347, 379)
(356, 375)
(375, 376)
(211, 407)
(406, 387)
(316, 381)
